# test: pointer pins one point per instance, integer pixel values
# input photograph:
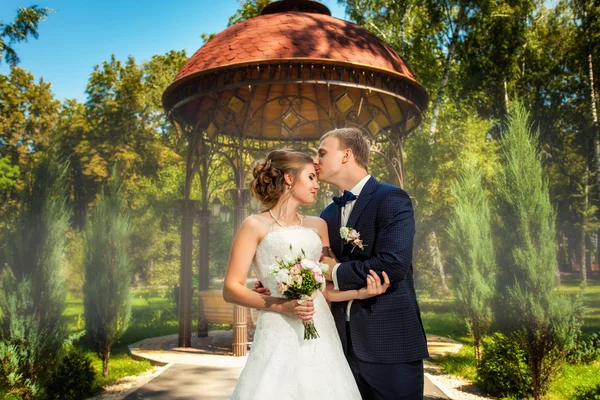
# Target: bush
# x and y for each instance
(588, 393)
(73, 379)
(585, 351)
(17, 371)
(503, 369)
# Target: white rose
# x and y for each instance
(324, 267)
(344, 231)
(282, 275)
(308, 264)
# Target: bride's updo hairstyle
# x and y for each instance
(269, 185)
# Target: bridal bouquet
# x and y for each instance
(300, 279)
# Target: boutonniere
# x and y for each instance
(352, 236)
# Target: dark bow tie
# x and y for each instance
(346, 197)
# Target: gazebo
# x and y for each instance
(283, 79)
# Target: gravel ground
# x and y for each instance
(125, 385)
(455, 387)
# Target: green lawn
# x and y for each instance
(439, 318)
(591, 301)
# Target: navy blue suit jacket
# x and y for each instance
(385, 329)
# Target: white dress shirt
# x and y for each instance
(346, 210)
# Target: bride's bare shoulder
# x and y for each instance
(314, 222)
(258, 223)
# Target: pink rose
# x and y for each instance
(318, 276)
(282, 287)
(295, 270)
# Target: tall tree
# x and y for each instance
(492, 56)
(158, 73)
(462, 141)
(588, 13)
(529, 306)
(552, 82)
(32, 295)
(470, 235)
(69, 133)
(118, 124)
(24, 25)
(107, 298)
(28, 113)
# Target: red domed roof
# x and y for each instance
(298, 36)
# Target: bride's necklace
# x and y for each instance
(279, 223)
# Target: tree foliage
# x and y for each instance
(529, 306)
(32, 296)
(107, 299)
(24, 25)
(470, 234)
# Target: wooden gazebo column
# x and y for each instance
(240, 314)
(185, 274)
(203, 260)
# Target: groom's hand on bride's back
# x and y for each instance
(260, 289)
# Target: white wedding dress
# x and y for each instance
(281, 364)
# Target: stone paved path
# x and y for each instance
(208, 371)
(185, 381)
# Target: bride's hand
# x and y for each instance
(327, 252)
(260, 289)
(304, 311)
(331, 262)
(374, 286)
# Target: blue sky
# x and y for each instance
(81, 34)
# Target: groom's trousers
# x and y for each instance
(403, 381)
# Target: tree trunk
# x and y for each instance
(596, 130)
(476, 332)
(596, 243)
(434, 250)
(583, 235)
(556, 273)
(583, 263)
(506, 96)
(435, 111)
(440, 94)
(105, 360)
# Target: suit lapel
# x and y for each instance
(363, 199)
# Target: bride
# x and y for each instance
(282, 364)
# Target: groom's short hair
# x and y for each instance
(355, 140)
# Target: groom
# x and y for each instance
(383, 337)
